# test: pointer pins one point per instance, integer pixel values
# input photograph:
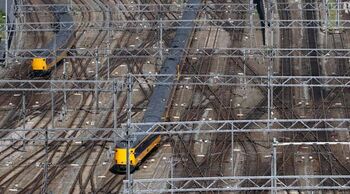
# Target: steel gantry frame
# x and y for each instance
(116, 84)
(274, 183)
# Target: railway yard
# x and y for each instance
(175, 96)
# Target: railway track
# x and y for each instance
(8, 98)
(54, 148)
(218, 153)
(39, 150)
(216, 156)
(287, 166)
(185, 144)
(327, 162)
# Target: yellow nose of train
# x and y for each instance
(39, 64)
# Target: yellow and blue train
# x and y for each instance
(43, 66)
(138, 151)
(44, 61)
(159, 102)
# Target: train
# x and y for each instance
(141, 146)
(44, 62)
(139, 150)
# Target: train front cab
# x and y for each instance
(40, 67)
(137, 153)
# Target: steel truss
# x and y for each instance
(144, 53)
(273, 183)
(241, 183)
(55, 134)
(227, 24)
(59, 85)
(243, 126)
(119, 83)
(171, 8)
(143, 8)
(238, 80)
(176, 23)
(182, 127)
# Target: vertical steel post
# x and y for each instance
(232, 154)
(244, 72)
(172, 170)
(161, 37)
(47, 138)
(251, 21)
(52, 107)
(44, 189)
(115, 115)
(46, 165)
(24, 116)
(6, 32)
(269, 16)
(108, 62)
(128, 136)
(271, 61)
(325, 7)
(109, 40)
(24, 110)
(55, 53)
(338, 14)
(96, 86)
(64, 111)
(139, 14)
(21, 19)
(274, 167)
